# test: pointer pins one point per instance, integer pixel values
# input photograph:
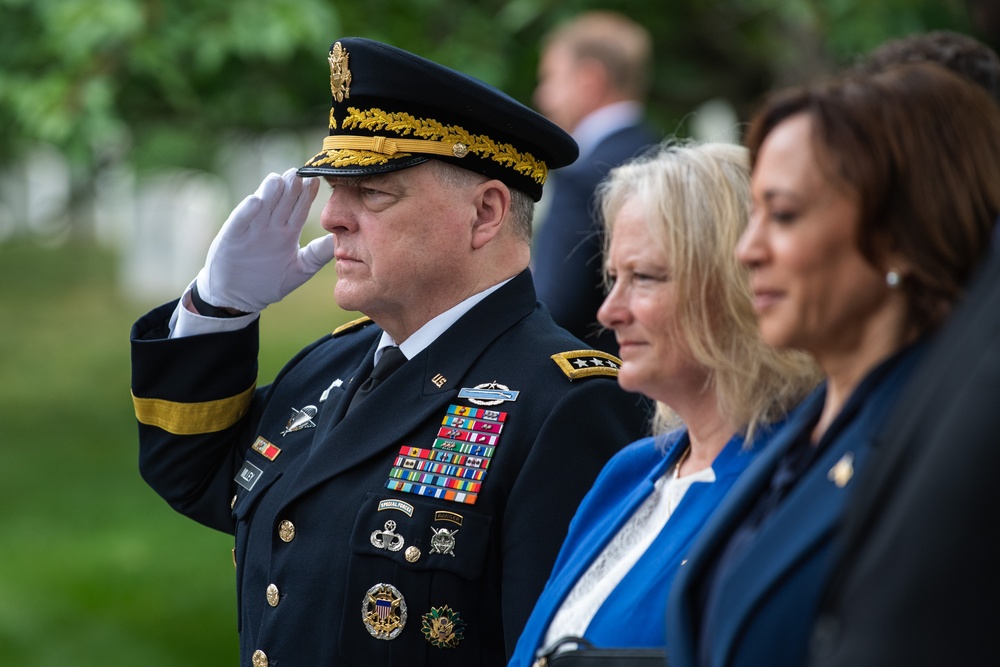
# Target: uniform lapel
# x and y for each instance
(806, 518)
(388, 418)
(813, 509)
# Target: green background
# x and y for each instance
(94, 568)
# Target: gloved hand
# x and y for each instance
(255, 259)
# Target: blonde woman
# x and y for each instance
(680, 307)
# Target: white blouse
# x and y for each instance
(620, 554)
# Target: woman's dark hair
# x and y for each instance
(920, 148)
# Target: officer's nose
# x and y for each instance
(337, 216)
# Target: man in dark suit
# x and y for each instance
(399, 492)
(592, 79)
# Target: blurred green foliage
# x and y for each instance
(97, 569)
(162, 82)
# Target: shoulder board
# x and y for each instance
(351, 326)
(586, 363)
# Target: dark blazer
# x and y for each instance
(567, 255)
(772, 592)
(336, 563)
(916, 581)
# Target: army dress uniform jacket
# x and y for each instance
(419, 528)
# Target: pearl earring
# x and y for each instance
(893, 279)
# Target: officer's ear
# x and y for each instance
(492, 201)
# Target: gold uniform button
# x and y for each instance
(412, 554)
(259, 659)
(232, 504)
(273, 598)
(286, 531)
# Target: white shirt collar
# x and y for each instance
(428, 333)
(598, 124)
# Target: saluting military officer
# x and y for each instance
(399, 492)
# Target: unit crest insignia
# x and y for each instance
(442, 627)
(383, 611)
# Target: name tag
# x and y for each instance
(248, 475)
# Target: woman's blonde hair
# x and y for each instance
(697, 200)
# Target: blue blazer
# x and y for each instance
(770, 599)
(624, 484)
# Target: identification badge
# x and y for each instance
(248, 475)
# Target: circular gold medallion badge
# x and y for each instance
(383, 611)
(442, 627)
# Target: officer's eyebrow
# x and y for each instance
(357, 181)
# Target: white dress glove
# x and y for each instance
(255, 259)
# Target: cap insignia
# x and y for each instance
(340, 75)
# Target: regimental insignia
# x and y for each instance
(383, 611)
(842, 471)
(265, 448)
(586, 363)
(490, 393)
(455, 465)
(388, 538)
(340, 74)
(300, 419)
(443, 541)
(442, 627)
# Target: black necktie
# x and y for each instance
(392, 358)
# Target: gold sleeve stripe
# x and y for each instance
(587, 363)
(193, 418)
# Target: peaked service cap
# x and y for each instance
(392, 109)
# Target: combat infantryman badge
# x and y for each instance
(442, 627)
(491, 393)
(383, 611)
(300, 419)
(443, 541)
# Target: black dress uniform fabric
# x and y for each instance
(329, 481)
